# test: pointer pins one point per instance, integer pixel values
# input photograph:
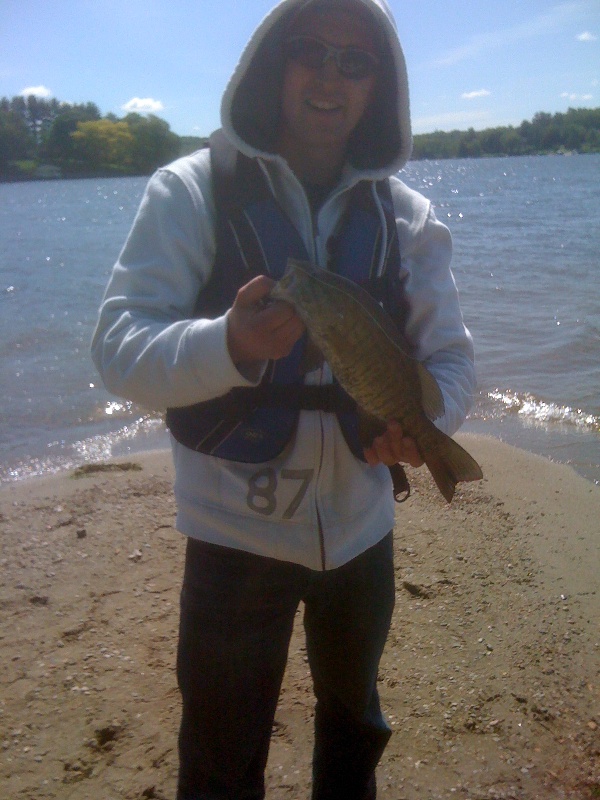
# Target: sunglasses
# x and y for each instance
(352, 62)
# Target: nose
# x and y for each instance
(329, 70)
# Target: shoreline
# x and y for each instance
(43, 172)
(490, 677)
(547, 443)
(146, 448)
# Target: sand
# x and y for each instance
(490, 679)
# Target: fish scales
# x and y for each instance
(373, 380)
(371, 360)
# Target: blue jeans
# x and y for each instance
(237, 614)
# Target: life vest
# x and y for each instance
(254, 236)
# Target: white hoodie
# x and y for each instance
(315, 505)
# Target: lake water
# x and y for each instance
(527, 242)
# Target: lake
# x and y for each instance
(526, 237)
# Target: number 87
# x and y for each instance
(262, 486)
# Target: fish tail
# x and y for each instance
(451, 464)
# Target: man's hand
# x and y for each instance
(393, 447)
(258, 331)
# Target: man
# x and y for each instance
(281, 503)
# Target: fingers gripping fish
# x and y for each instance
(371, 361)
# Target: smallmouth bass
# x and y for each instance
(370, 358)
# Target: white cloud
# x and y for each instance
(37, 91)
(586, 36)
(143, 105)
(484, 42)
(475, 95)
(575, 97)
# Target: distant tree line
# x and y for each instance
(48, 138)
(578, 131)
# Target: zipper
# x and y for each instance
(319, 523)
(314, 252)
(315, 241)
(383, 247)
(314, 236)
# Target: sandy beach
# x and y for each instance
(490, 679)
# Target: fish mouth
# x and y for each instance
(296, 264)
(286, 285)
(283, 289)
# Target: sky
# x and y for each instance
(475, 63)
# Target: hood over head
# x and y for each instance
(381, 143)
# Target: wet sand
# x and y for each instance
(490, 679)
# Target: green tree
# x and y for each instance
(104, 145)
(39, 114)
(470, 145)
(58, 146)
(511, 142)
(436, 145)
(16, 142)
(491, 141)
(550, 137)
(153, 142)
(189, 144)
(539, 124)
(574, 136)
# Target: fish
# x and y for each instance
(372, 361)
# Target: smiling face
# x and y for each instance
(320, 107)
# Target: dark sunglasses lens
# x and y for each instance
(308, 52)
(352, 62)
(356, 64)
